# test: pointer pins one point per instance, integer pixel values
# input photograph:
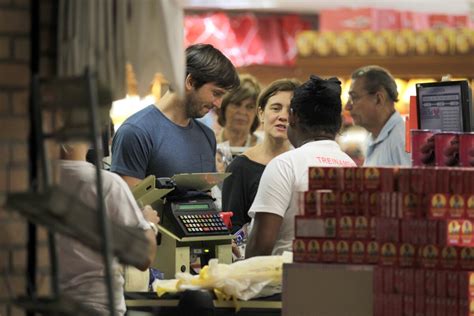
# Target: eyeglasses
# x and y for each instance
(354, 98)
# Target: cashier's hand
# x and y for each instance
(151, 215)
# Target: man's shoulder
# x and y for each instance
(206, 129)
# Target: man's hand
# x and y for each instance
(151, 215)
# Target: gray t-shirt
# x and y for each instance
(149, 143)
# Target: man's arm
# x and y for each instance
(264, 234)
(152, 217)
(130, 153)
(131, 181)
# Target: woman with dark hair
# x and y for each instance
(314, 121)
(238, 114)
(240, 188)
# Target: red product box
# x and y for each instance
(393, 232)
(406, 231)
(442, 174)
(463, 307)
(464, 284)
(429, 256)
(372, 252)
(378, 304)
(452, 284)
(469, 198)
(349, 203)
(385, 204)
(456, 183)
(446, 150)
(407, 255)
(378, 280)
(398, 279)
(409, 205)
(328, 250)
(378, 179)
(327, 203)
(441, 283)
(408, 305)
(456, 207)
(438, 206)
(345, 227)
(452, 306)
(453, 232)
(467, 235)
(441, 307)
(442, 229)
(432, 232)
(361, 227)
(430, 283)
(322, 178)
(309, 203)
(421, 230)
(419, 305)
(394, 205)
(417, 180)
(358, 254)
(374, 203)
(351, 179)
(430, 305)
(313, 250)
(388, 280)
(466, 258)
(403, 180)
(372, 227)
(388, 254)
(343, 251)
(409, 281)
(299, 250)
(430, 178)
(397, 304)
(468, 180)
(449, 258)
(419, 282)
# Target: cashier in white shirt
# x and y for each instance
(314, 121)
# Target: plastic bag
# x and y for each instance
(244, 280)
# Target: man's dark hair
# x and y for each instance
(377, 77)
(317, 103)
(207, 64)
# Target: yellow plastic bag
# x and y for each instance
(243, 280)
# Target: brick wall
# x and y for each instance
(15, 76)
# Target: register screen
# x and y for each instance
(440, 108)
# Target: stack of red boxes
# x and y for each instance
(420, 241)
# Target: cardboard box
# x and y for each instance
(337, 288)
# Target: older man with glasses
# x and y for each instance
(371, 103)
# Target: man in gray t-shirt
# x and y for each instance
(165, 139)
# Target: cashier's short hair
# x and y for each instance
(376, 78)
(317, 103)
(206, 64)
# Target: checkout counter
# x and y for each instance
(191, 232)
(199, 303)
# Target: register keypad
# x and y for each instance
(203, 223)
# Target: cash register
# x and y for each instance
(191, 229)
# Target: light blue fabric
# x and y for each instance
(149, 143)
(389, 147)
